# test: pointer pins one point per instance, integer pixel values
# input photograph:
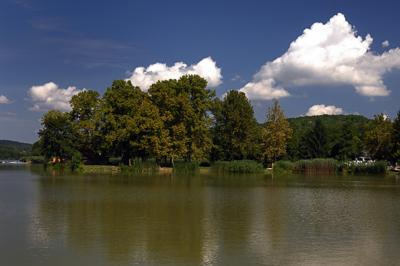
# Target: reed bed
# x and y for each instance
(316, 166)
(378, 167)
(186, 167)
(239, 166)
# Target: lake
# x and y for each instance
(202, 219)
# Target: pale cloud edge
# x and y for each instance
(330, 54)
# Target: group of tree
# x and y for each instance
(171, 121)
(345, 137)
(184, 120)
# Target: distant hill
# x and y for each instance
(331, 122)
(13, 149)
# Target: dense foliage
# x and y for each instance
(182, 120)
(275, 134)
(236, 133)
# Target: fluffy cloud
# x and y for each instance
(321, 109)
(50, 96)
(385, 44)
(206, 68)
(327, 55)
(4, 99)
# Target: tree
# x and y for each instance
(130, 122)
(236, 134)
(84, 114)
(57, 136)
(275, 134)
(348, 144)
(314, 143)
(184, 105)
(378, 140)
(396, 138)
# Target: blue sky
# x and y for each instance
(88, 44)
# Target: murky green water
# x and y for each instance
(200, 220)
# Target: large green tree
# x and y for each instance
(184, 106)
(314, 143)
(130, 122)
(84, 114)
(378, 136)
(396, 138)
(348, 144)
(275, 134)
(236, 133)
(57, 136)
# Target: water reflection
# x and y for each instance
(210, 220)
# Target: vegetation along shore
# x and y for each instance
(182, 124)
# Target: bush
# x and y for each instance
(242, 166)
(75, 163)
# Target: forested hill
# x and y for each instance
(13, 149)
(335, 132)
(331, 122)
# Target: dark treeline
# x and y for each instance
(14, 149)
(184, 120)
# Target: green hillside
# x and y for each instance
(14, 149)
(334, 126)
(331, 122)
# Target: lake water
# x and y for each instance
(205, 219)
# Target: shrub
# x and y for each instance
(75, 162)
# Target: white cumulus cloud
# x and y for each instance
(207, 68)
(385, 44)
(4, 99)
(327, 54)
(50, 96)
(321, 109)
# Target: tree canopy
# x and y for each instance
(275, 134)
(183, 120)
(236, 131)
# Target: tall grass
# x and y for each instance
(242, 166)
(139, 166)
(186, 167)
(316, 166)
(329, 166)
(379, 167)
(283, 167)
